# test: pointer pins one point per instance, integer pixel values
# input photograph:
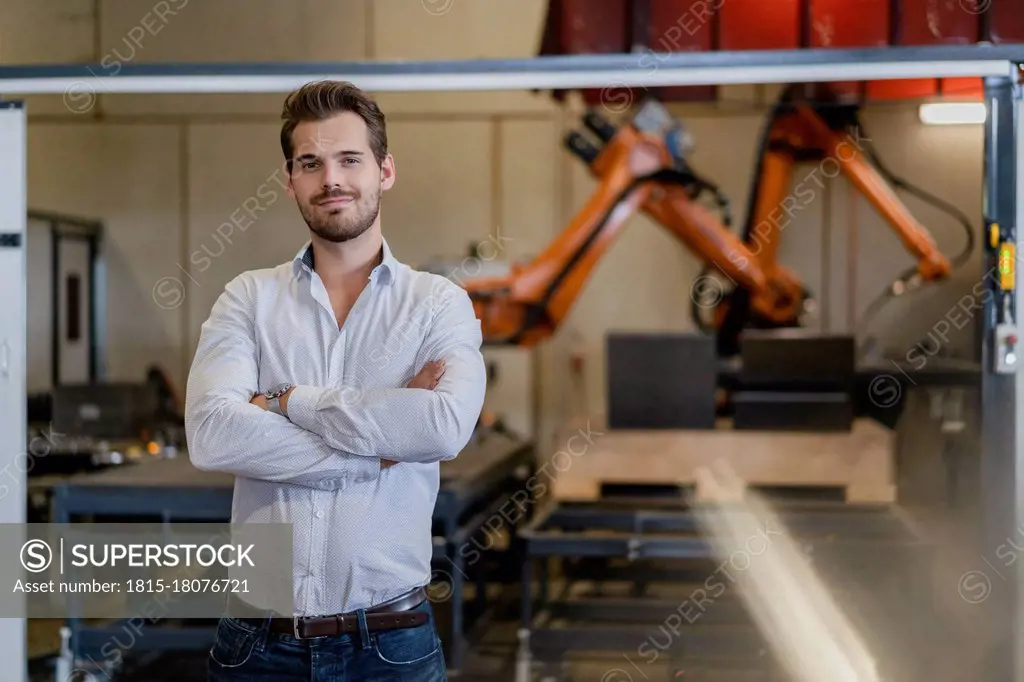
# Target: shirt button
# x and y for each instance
(319, 514)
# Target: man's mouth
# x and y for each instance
(336, 201)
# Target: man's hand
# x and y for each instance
(283, 401)
(260, 401)
(428, 377)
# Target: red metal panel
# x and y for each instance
(962, 88)
(1006, 17)
(937, 22)
(688, 93)
(902, 89)
(759, 25)
(588, 27)
(683, 26)
(927, 22)
(849, 23)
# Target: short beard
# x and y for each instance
(335, 228)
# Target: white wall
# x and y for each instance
(165, 172)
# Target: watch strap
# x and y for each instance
(274, 405)
(278, 391)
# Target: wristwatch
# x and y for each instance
(273, 396)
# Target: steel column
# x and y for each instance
(13, 323)
(1001, 473)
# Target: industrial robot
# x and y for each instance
(644, 165)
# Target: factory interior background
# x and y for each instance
(165, 172)
(188, 191)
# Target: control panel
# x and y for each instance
(1007, 357)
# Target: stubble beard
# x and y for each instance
(342, 225)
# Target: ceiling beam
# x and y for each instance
(643, 69)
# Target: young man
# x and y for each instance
(332, 386)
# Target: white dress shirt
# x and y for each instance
(361, 535)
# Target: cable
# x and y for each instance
(879, 302)
(721, 200)
(899, 286)
(899, 183)
(752, 194)
(695, 306)
(678, 143)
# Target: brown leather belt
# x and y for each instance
(394, 615)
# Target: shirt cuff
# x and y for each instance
(365, 468)
(302, 402)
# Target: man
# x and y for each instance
(332, 386)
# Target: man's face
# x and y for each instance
(335, 179)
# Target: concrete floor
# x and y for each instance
(961, 641)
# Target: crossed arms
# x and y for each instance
(331, 435)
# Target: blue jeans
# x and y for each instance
(244, 653)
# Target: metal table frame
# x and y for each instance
(588, 534)
(95, 645)
(461, 512)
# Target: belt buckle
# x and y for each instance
(295, 627)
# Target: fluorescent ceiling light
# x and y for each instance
(953, 113)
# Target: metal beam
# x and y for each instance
(1014, 411)
(1002, 474)
(13, 323)
(644, 69)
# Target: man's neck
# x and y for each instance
(343, 263)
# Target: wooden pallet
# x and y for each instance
(587, 455)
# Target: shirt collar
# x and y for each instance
(383, 273)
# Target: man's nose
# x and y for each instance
(331, 176)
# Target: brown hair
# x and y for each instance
(323, 99)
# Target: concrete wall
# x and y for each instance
(164, 172)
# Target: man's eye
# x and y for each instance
(351, 159)
(309, 165)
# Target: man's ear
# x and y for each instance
(387, 173)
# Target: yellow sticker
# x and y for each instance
(1007, 271)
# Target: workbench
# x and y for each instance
(928, 372)
(473, 488)
(639, 579)
(858, 463)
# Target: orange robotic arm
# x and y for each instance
(770, 295)
(800, 132)
(635, 169)
(826, 133)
